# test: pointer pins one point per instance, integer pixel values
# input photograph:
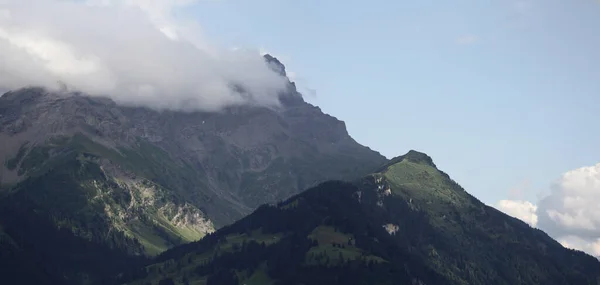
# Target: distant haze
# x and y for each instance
(133, 51)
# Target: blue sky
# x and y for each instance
(502, 94)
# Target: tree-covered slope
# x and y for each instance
(17, 268)
(408, 223)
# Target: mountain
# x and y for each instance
(407, 223)
(121, 183)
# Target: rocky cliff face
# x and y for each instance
(239, 158)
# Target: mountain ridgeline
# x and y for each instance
(108, 185)
(407, 223)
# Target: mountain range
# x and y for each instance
(407, 223)
(93, 192)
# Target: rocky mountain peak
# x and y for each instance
(84, 166)
(275, 64)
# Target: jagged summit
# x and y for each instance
(275, 64)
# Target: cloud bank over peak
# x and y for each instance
(133, 51)
(569, 213)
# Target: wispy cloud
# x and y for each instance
(134, 51)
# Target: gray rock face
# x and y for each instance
(226, 163)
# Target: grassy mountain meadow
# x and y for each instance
(407, 223)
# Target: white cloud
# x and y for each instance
(592, 246)
(570, 213)
(131, 50)
(523, 210)
(292, 75)
(572, 205)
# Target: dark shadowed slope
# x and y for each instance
(409, 223)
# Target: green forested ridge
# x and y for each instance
(18, 268)
(409, 223)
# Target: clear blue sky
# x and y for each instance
(499, 92)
